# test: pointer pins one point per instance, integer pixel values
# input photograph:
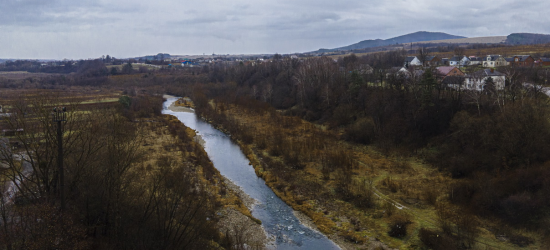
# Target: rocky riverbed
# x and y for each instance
(239, 226)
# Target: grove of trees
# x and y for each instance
(118, 195)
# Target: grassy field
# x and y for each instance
(136, 66)
(19, 75)
(69, 96)
(487, 39)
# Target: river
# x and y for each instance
(277, 217)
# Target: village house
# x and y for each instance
(477, 80)
(432, 61)
(544, 61)
(492, 61)
(459, 61)
(399, 72)
(445, 71)
(521, 60)
(411, 61)
(475, 60)
(450, 76)
(189, 64)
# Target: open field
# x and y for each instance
(136, 66)
(487, 39)
(18, 75)
(74, 95)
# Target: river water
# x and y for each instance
(277, 217)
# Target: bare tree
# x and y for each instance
(459, 51)
(267, 93)
(422, 54)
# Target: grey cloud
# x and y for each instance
(39, 13)
(300, 21)
(133, 27)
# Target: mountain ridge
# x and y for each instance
(527, 38)
(419, 36)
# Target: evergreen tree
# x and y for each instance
(428, 83)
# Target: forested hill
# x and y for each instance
(409, 38)
(527, 38)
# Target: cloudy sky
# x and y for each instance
(79, 29)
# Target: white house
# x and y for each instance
(459, 61)
(411, 61)
(399, 72)
(492, 61)
(477, 81)
(475, 60)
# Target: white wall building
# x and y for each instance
(411, 61)
(477, 81)
(459, 61)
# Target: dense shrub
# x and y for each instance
(398, 226)
(435, 240)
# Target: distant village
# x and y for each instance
(195, 61)
(447, 70)
(459, 72)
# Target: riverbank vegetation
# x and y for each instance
(134, 179)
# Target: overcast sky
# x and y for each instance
(80, 29)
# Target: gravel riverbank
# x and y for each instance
(239, 226)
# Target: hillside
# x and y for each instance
(527, 38)
(409, 38)
(486, 39)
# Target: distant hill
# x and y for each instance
(409, 38)
(484, 39)
(159, 56)
(527, 38)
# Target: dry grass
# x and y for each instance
(403, 186)
(185, 102)
(159, 142)
(505, 51)
(19, 75)
(486, 39)
(80, 95)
